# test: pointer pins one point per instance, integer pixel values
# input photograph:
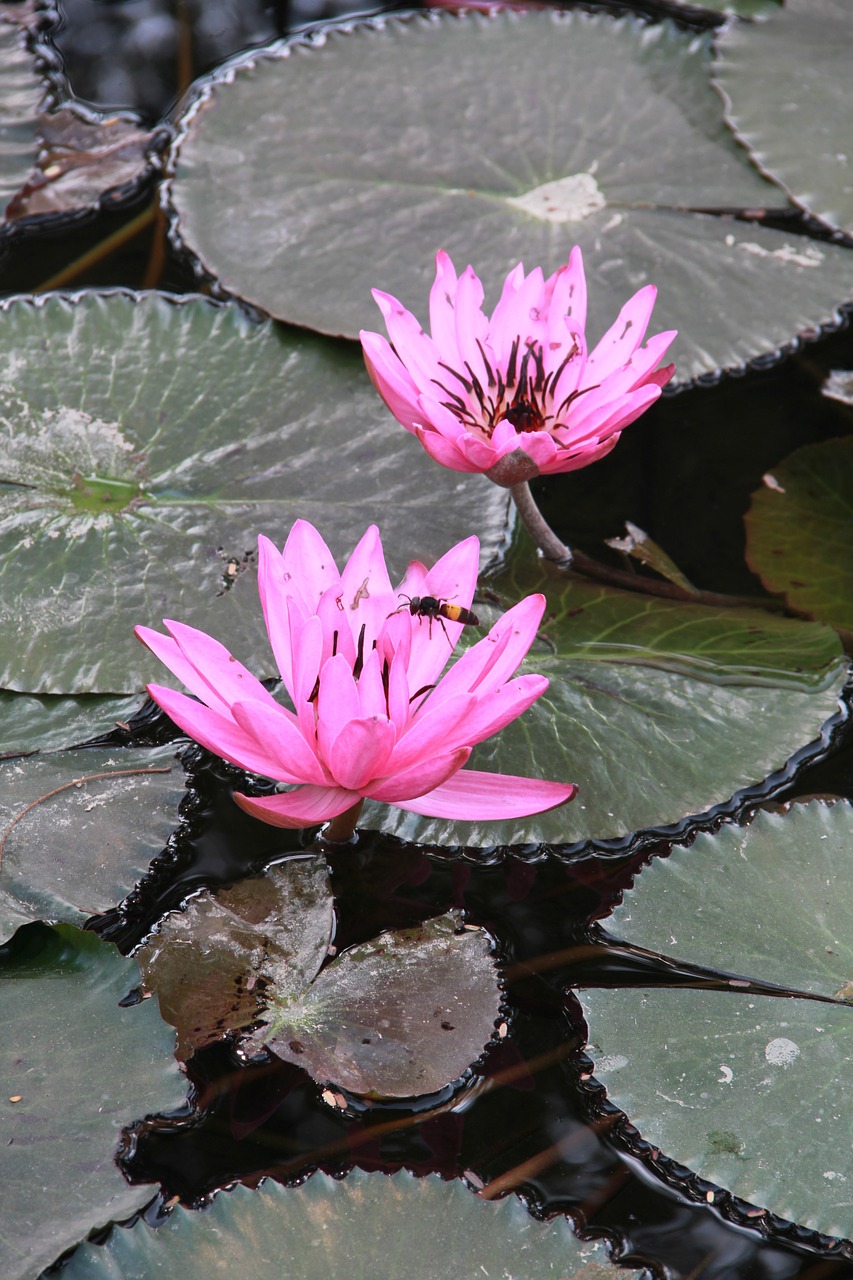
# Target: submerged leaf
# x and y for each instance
(29, 723)
(79, 828)
(212, 964)
(366, 1226)
(403, 1015)
(75, 1069)
(133, 486)
(726, 1083)
(392, 162)
(81, 162)
(799, 530)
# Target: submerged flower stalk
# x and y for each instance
(371, 716)
(516, 394)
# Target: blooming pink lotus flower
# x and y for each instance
(516, 394)
(373, 716)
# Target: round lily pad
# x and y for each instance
(214, 965)
(135, 479)
(786, 86)
(799, 528)
(391, 162)
(726, 1083)
(658, 710)
(22, 92)
(402, 1015)
(75, 1069)
(79, 828)
(363, 1226)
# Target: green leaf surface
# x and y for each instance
(786, 86)
(363, 1227)
(132, 482)
(31, 723)
(212, 965)
(402, 1015)
(658, 710)
(731, 1084)
(21, 93)
(392, 162)
(76, 1069)
(799, 529)
(742, 8)
(79, 828)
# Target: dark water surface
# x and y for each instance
(527, 1121)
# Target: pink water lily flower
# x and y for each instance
(515, 394)
(373, 716)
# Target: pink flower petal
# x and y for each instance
(415, 348)
(272, 590)
(167, 650)
(337, 702)
(219, 734)
(366, 593)
(623, 337)
(491, 661)
(276, 734)
(304, 807)
(391, 378)
(225, 677)
(422, 777)
(308, 565)
(361, 752)
(435, 731)
(478, 797)
(444, 452)
(442, 308)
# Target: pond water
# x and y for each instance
(531, 1120)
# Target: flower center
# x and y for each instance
(523, 393)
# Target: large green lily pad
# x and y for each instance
(731, 1084)
(799, 529)
(134, 481)
(786, 85)
(79, 828)
(367, 1225)
(658, 710)
(75, 1069)
(494, 163)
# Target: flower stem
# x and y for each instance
(538, 528)
(341, 828)
(553, 549)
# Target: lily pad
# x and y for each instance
(79, 828)
(211, 965)
(363, 1226)
(799, 529)
(403, 1015)
(786, 86)
(131, 482)
(76, 1069)
(22, 91)
(659, 711)
(391, 162)
(726, 1083)
(29, 723)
